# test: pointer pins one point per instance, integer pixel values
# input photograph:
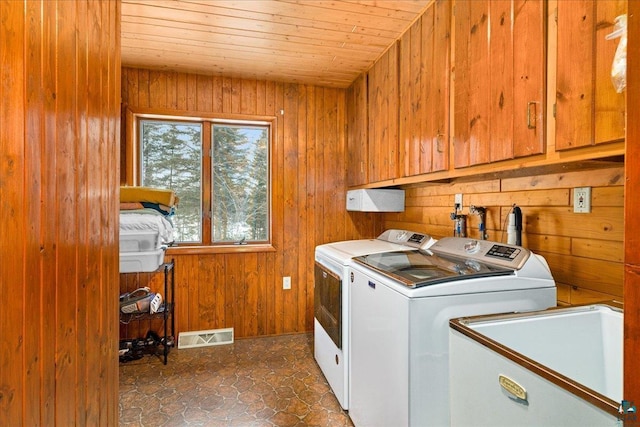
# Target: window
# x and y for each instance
(240, 174)
(220, 171)
(171, 157)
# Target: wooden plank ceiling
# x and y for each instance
(324, 43)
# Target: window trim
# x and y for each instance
(132, 167)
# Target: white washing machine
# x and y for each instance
(400, 306)
(331, 300)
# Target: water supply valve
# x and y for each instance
(460, 222)
(482, 213)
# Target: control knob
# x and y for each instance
(472, 246)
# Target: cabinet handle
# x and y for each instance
(531, 118)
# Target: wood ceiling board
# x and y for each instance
(147, 35)
(310, 41)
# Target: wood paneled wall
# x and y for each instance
(59, 124)
(584, 251)
(244, 290)
(632, 217)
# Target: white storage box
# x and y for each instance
(138, 240)
(375, 200)
(133, 262)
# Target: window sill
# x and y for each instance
(219, 249)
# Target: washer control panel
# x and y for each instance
(505, 252)
(505, 255)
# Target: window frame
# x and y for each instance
(132, 175)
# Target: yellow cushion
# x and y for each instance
(148, 194)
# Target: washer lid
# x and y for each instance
(417, 268)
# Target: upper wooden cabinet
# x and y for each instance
(588, 109)
(383, 117)
(499, 83)
(424, 92)
(357, 133)
(528, 80)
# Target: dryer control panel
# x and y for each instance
(407, 238)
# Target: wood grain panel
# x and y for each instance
(600, 249)
(608, 196)
(383, 117)
(576, 50)
(462, 88)
(481, 186)
(501, 74)
(589, 110)
(410, 78)
(378, 118)
(478, 119)
(593, 178)
(58, 171)
(499, 80)
(290, 232)
(143, 86)
(302, 248)
(563, 294)
(244, 290)
(34, 99)
(585, 273)
(424, 92)
(12, 170)
(609, 105)
(49, 175)
(420, 122)
(586, 296)
(573, 295)
(604, 223)
(552, 244)
(551, 197)
(66, 333)
(440, 85)
(357, 132)
(417, 200)
(158, 89)
(632, 213)
(529, 59)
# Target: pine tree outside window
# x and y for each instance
(240, 173)
(220, 171)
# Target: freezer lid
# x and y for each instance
(417, 268)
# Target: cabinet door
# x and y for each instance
(499, 80)
(383, 117)
(588, 109)
(357, 142)
(424, 92)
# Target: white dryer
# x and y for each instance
(331, 300)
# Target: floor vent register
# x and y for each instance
(205, 338)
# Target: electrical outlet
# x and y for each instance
(582, 199)
(286, 282)
(457, 200)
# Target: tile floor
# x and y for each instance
(271, 381)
